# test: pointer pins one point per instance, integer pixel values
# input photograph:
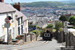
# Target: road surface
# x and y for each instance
(38, 45)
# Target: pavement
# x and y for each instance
(37, 45)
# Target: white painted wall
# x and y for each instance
(14, 25)
(2, 18)
(2, 21)
(25, 26)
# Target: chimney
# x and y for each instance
(1, 0)
(17, 6)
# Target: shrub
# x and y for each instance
(72, 20)
(32, 26)
(58, 25)
(53, 30)
(74, 27)
(36, 32)
(39, 27)
(49, 26)
(31, 23)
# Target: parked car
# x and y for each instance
(30, 29)
(69, 25)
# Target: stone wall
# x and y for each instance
(59, 36)
(29, 37)
(70, 41)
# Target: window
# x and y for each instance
(21, 19)
(22, 29)
(18, 30)
(18, 21)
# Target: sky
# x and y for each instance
(12, 1)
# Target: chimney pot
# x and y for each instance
(17, 6)
(1, 0)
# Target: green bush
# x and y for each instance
(58, 25)
(41, 31)
(72, 20)
(31, 23)
(32, 26)
(53, 30)
(36, 32)
(39, 27)
(49, 26)
(74, 27)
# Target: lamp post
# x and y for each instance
(66, 31)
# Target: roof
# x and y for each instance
(9, 8)
(6, 8)
(20, 14)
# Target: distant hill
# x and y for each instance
(51, 4)
(42, 4)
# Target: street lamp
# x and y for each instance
(66, 31)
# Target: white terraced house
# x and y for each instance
(19, 23)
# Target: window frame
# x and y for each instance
(18, 21)
(21, 19)
(21, 29)
(18, 30)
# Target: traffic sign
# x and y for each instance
(6, 20)
(65, 23)
(65, 30)
(6, 25)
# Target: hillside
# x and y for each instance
(42, 4)
(53, 4)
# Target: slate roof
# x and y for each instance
(9, 8)
(6, 8)
(20, 14)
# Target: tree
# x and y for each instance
(72, 20)
(49, 26)
(54, 12)
(63, 18)
(58, 25)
